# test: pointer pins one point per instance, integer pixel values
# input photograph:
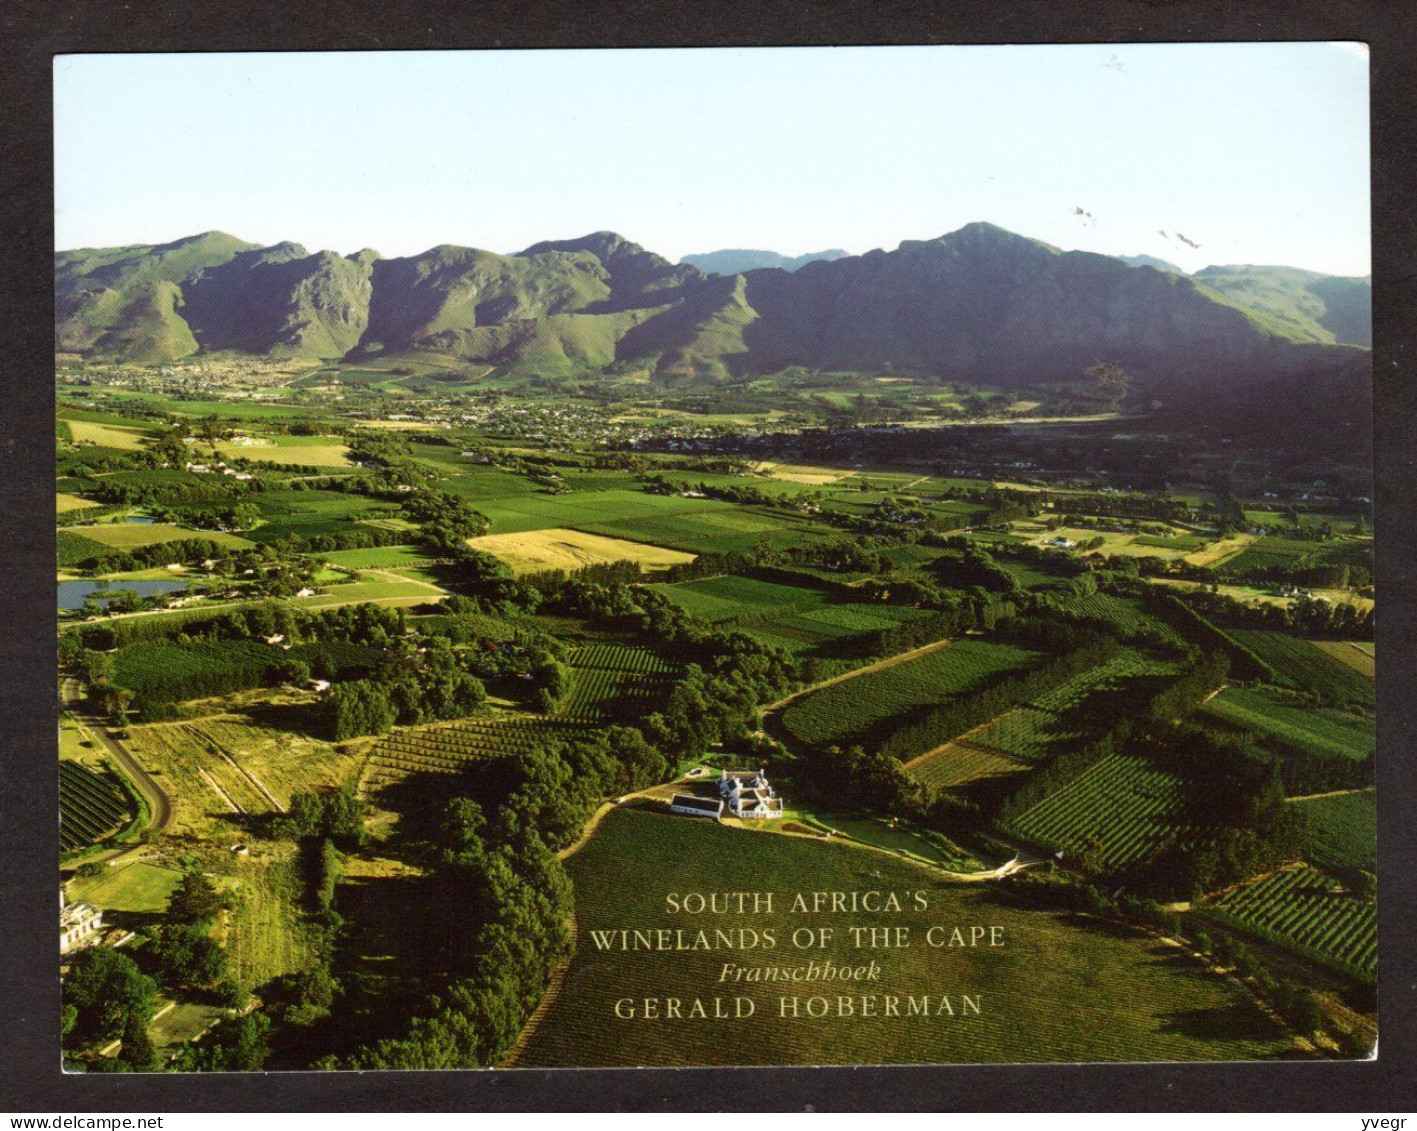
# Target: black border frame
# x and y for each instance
(33, 31)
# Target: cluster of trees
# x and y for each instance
(1237, 799)
(413, 685)
(1334, 620)
(181, 491)
(969, 567)
(510, 899)
(106, 996)
(445, 520)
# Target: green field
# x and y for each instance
(1029, 732)
(850, 711)
(615, 683)
(585, 509)
(378, 557)
(962, 762)
(1305, 910)
(1343, 830)
(1319, 731)
(1057, 989)
(64, 503)
(729, 598)
(310, 451)
(815, 631)
(800, 619)
(265, 938)
(308, 514)
(1124, 613)
(694, 526)
(131, 535)
(1274, 552)
(377, 592)
(138, 887)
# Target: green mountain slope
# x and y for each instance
(1302, 305)
(126, 301)
(1151, 261)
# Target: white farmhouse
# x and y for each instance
(78, 922)
(748, 795)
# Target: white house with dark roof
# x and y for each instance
(692, 806)
(748, 795)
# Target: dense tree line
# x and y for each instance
(185, 550)
(1335, 620)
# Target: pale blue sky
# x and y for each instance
(1258, 152)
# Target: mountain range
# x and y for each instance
(980, 304)
(735, 261)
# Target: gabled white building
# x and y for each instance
(77, 923)
(747, 795)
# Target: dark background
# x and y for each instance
(31, 33)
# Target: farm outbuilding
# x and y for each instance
(695, 806)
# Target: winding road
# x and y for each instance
(158, 802)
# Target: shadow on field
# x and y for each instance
(1240, 1021)
(302, 718)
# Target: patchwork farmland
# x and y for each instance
(381, 776)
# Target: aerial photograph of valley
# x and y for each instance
(953, 646)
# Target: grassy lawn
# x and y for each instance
(129, 535)
(140, 887)
(1059, 988)
(64, 503)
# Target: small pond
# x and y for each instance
(73, 593)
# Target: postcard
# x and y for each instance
(715, 557)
